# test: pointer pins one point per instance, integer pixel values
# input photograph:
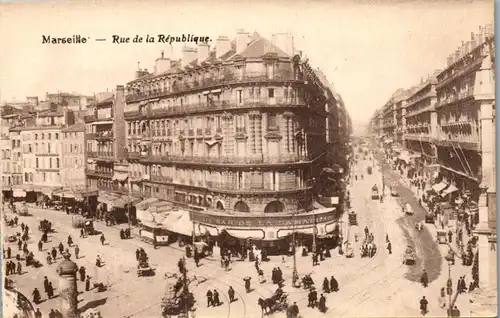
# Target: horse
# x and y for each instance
(266, 304)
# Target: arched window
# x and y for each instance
(241, 206)
(220, 206)
(274, 207)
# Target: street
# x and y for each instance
(363, 282)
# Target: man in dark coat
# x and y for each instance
(210, 301)
(81, 271)
(334, 285)
(322, 304)
(9, 252)
(326, 286)
(424, 279)
(230, 293)
(87, 283)
(45, 284)
(216, 298)
(38, 314)
(50, 291)
(54, 253)
(423, 305)
(40, 245)
(61, 248)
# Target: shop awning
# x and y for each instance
(204, 229)
(68, 195)
(159, 206)
(18, 193)
(438, 187)
(179, 222)
(449, 190)
(118, 203)
(144, 204)
(120, 176)
(245, 234)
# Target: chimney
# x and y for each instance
(162, 64)
(188, 55)
(284, 41)
(119, 143)
(203, 51)
(241, 41)
(223, 46)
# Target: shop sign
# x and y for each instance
(258, 222)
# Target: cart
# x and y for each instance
(407, 209)
(353, 219)
(45, 226)
(143, 269)
(441, 237)
(430, 217)
(409, 256)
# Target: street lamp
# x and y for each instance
(449, 286)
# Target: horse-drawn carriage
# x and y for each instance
(275, 303)
(143, 269)
(176, 300)
(409, 256)
(45, 226)
(375, 195)
(353, 219)
(79, 222)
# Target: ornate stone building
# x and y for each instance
(239, 130)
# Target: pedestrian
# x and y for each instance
(9, 252)
(61, 248)
(45, 284)
(442, 298)
(54, 253)
(450, 236)
(423, 306)
(87, 283)
(334, 285)
(36, 296)
(294, 310)
(22, 227)
(455, 312)
(82, 233)
(389, 247)
(209, 298)
(49, 259)
(322, 304)
(261, 276)
(38, 314)
(77, 251)
(137, 254)
(50, 291)
(82, 273)
(103, 239)
(326, 286)
(196, 259)
(70, 241)
(20, 244)
(424, 279)
(40, 245)
(19, 268)
(216, 298)
(52, 314)
(230, 293)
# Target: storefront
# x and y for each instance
(271, 232)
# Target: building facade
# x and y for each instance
(238, 132)
(73, 156)
(72, 101)
(450, 123)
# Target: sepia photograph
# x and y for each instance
(248, 159)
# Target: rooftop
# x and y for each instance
(80, 127)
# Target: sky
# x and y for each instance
(367, 51)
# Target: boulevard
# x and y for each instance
(381, 285)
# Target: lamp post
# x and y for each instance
(449, 287)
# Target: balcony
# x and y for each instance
(91, 154)
(162, 179)
(133, 155)
(227, 78)
(105, 135)
(456, 98)
(228, 161)
(233, 188)
(248, 103)
(99, 173)
(104, 155)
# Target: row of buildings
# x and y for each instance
(240, 135)
(444, 129)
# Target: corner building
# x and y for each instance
(237, 134)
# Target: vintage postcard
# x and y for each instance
(247, 159)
